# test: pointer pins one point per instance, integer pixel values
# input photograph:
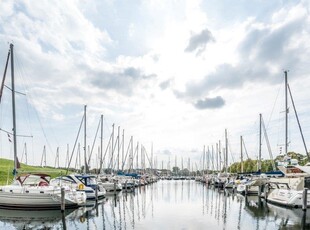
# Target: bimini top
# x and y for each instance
(34, 179)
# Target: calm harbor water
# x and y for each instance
(174, 204)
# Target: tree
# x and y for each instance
(175, 170)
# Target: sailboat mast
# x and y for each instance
(226, 151)
(260, 143)
(217, 157)
(241, 154)
(286, 114)
(118, 147)
(123, 145)
(101, 143)
(13, 111)
(208, 160)
(85, 158)
(203, 160)
(220, 158)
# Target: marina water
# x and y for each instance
(167, 204)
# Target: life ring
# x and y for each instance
(81, 187)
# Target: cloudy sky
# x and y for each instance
(172, 73)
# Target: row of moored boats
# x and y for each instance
(39, 191)
(288, 188)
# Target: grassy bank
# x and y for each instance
(6, 169)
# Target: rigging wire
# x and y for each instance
(301, 133)
(94, 142)
(21, 73)
(268, 145)
(76, 140)
(246, 152)
(273, 107)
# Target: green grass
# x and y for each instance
(6, 169)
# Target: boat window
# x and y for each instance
(92, 181)
(68, 179)
(81, 179)
(87, 181)
(32, 180)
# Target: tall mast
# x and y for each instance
(241, 154)
(118, 146)
(123, 143)
(226, 151)
(203, 159)
(286, 114)
(220, 164)
(13, 111)
(260, 144)
(208, 160)
(217, 157)
(137, 151)
(85, 160)
(112, 153)
(101, 143)
(212, 158)
(67, 157)
(131, 166)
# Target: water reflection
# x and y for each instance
(12, 219)
(165, 205)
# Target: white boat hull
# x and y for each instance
(288, 198)
(248, 190)
(16, 197)
(110, 187)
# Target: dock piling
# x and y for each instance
(304, 199)
(63, 204)
(96, 194)
(265, 191)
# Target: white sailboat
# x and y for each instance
(251, 185)
(32, 191)
(288, 191)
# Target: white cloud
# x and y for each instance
(128, 62)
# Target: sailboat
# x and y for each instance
(82, 182)
(33, 191)
(251, 185)
(288, 191)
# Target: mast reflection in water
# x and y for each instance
(173, 204)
